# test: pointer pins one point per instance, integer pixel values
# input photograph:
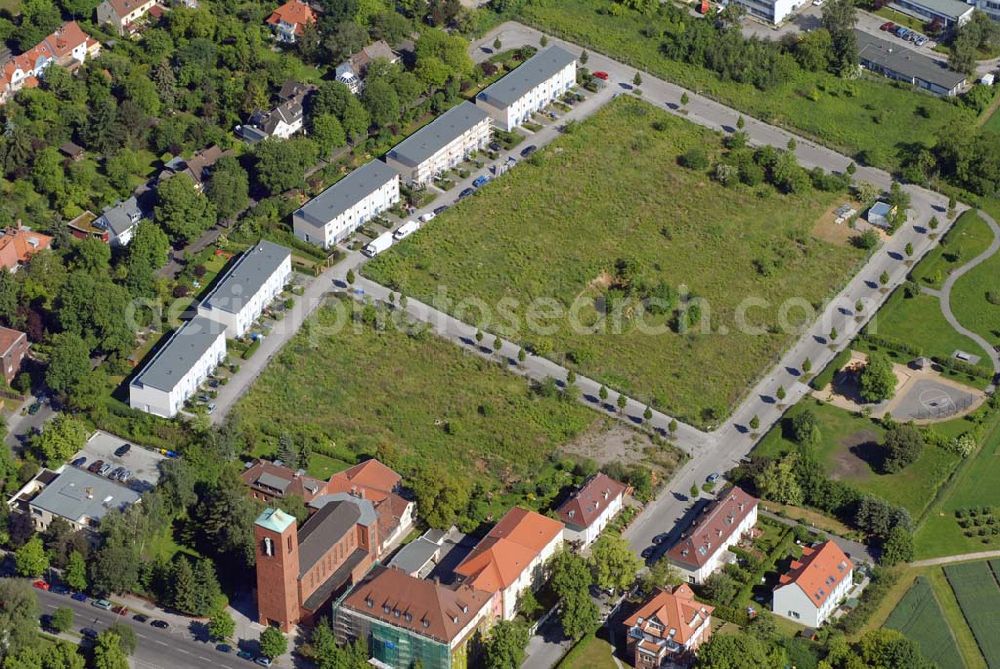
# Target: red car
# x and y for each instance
(601, 75)
(887, 26)
(40, 584)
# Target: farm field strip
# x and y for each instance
(978, 594)
(919, 616)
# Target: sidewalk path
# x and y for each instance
(949, 283)
(949, 559)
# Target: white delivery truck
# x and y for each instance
(405, 230)
(377, 245)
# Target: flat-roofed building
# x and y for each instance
(770, 11)
(441, 144)
(902, 64)
(80, 498)
(176, 370)
(704, 546)
(538, 81)
(949, 13)
(248, 286)
(331, 216)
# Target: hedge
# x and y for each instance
(825, 377)
(251, 349)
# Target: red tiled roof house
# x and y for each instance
(67, 47)
(704, 546)
(591, 508)
(511, 558)
(18, 244)
(290, 20)
(122, 14)
(13, 348)
(814, 585)
(668, 627)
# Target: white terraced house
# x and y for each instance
(174, 373)
(250, 284)
(441, 144)
(541, 79)
(346, 205)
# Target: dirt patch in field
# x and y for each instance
(857, 457)
(828, 230)
(601, 282)
(610, 441)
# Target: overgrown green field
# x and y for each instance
(970, 299)
(849, 444)
(993, 122)
(967, 238)
(919, 617)
(978, 594)
(418, 403)
(870, 117)
(555, 228)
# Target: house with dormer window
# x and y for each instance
(589, 510)
(814, 585)
(704, 545)
(667, 629)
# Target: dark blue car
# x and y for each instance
(480, 181)
(79, 596)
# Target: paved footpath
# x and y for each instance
(949, 559)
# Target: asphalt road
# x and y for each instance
(156, 649)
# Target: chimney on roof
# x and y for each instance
(300, 472)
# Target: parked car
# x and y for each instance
(160, 624)
(33, 409)
(648, 552)
(528, 150)
(244, 654)
(59, 589)
(79, 462)
(466, 193)
(439, 210)
(95, 466)
(210, 409)
(660, 538)
(224, 648)
(495, 146)
(114, 473)
(426, 218)
(105, 468)
(713, 477)
(40, 584)
(887, 26)
(78, 596)
(101, 604)
(602, 75)
(89, 633)
(902, 32)
(123, 450)
(120, 610)
(920, 41)
(263, 661)
(140, 617)
(125, 476)
(480, 181)
(405, 230)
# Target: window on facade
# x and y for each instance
(288, 541)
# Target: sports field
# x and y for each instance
(606, 212)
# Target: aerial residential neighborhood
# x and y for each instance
(539, 334)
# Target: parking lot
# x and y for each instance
(142, 462)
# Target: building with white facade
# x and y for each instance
(122, 15)
(80, 498)
(947, 13)
(176, 370)
(69, 46)
(120, 221)
(247, 287)
(703, 547)
(511, 558)
(441, 144)
(591, 508)
(814, 585)
(537, 82)
(991, 7)
(770, 11)
(338, 211)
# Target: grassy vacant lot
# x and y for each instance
(866, 116)
(978, 594)
(967, 238)
(556, 226)
(919, 617)
(974, 486)
(848, 445)
(414, 401)
(918, 321)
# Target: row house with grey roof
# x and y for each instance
(538, 81)
(441, 144)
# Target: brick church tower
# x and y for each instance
(277, 542)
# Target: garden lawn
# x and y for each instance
(919, 617)
(975, 485)
(848, 441)
(918, 321)
(554, 227)
(591, 652)
(978, 594)
(967, 238)
(869, 116)
(413, 401)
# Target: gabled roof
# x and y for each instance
(9, 337)
(589, 502)
(346, 193)
(279, 481)
(712, 528)
(123, 8)
(419, 606)
(325, 528)
(677, 613)
(121, 217)
(369, 479)
(293, 13)
(819, 572)
(378, 49)
(509, 548)
(887, 55)
(18, 244)
(532, 73)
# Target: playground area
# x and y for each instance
(922, 394)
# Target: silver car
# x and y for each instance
(105, 468)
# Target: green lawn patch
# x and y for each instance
(549, 235)
(971, 300)
(993, 122)
(590, 652)
(849, 442)
(967, 238)
(919, 617)
(868, 116)
(348, 389)
(979, 596)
